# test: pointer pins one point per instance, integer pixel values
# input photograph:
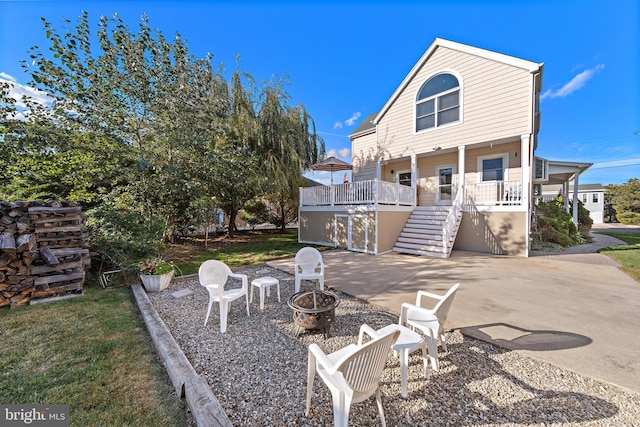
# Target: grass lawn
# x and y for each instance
(246, 248)
(93, 352)
(627, 255)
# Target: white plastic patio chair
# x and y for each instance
(408, 342)
(213, 276)
(309, 266)
(429, 321)
(352, 374)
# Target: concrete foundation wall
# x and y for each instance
(500, 233)
(319, 227)
(390, 226)
(316, 227)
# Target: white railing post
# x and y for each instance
(451, 221)
(375, 191)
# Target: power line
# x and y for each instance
(627, 162)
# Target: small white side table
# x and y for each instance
(263, 283)
(408, 342)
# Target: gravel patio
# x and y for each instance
(257, 370)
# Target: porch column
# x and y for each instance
(461, 171)
(575, 198)
(378, 170)
(565, 195)
(525, 165)
(414, 178)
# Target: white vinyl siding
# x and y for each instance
(362, 157)
(496, 104)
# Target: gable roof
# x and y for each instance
(590, 187)
(532, 67)
(365, 127)
(561, 171)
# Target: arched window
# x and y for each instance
(438, 102)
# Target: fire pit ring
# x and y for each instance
(313, 310)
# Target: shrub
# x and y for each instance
(556, 225)
(119, 236)
(629, 218)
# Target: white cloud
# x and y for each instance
(337, 125)
(344, 153)
(576, 83)
(19, 90)
(352, 120)
(341, 153)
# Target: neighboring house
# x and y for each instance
(447, 162)
(591, 196)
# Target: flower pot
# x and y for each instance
(155, 282)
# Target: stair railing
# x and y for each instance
(452, 222)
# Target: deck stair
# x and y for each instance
(424, 232)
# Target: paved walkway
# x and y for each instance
(575, 309)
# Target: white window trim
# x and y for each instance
(453, 181)
(505, 166)
(399, 172)
(460, 103)
(545, 169)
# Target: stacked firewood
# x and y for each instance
(43, 252)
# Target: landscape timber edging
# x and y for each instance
(205, 407)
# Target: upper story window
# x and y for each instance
(595, 198)
(438, 102)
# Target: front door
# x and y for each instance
(445, 192)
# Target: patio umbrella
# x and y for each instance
(331, 164)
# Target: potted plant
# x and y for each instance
(156, 273)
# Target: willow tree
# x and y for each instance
(236, 175)
(288, 145)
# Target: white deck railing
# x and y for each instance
(370, 192)
(494, 193)
(376, 191)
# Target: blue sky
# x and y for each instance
(344, 59)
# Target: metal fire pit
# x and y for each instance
(313, 310)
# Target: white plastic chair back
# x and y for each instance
(441, 309)
(309, 266)
(213, 272)
(309, 260)
(213, 275)
(418, 317)
(352, 374)
(362, 369)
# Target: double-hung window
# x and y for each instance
(438, 102)
(493, 167)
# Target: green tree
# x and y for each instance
(140, 90)
(139, 124)
(236, 173)
(288, 145)
(625, 200)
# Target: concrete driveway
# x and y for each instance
(576, 309)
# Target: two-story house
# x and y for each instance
(448, 159)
